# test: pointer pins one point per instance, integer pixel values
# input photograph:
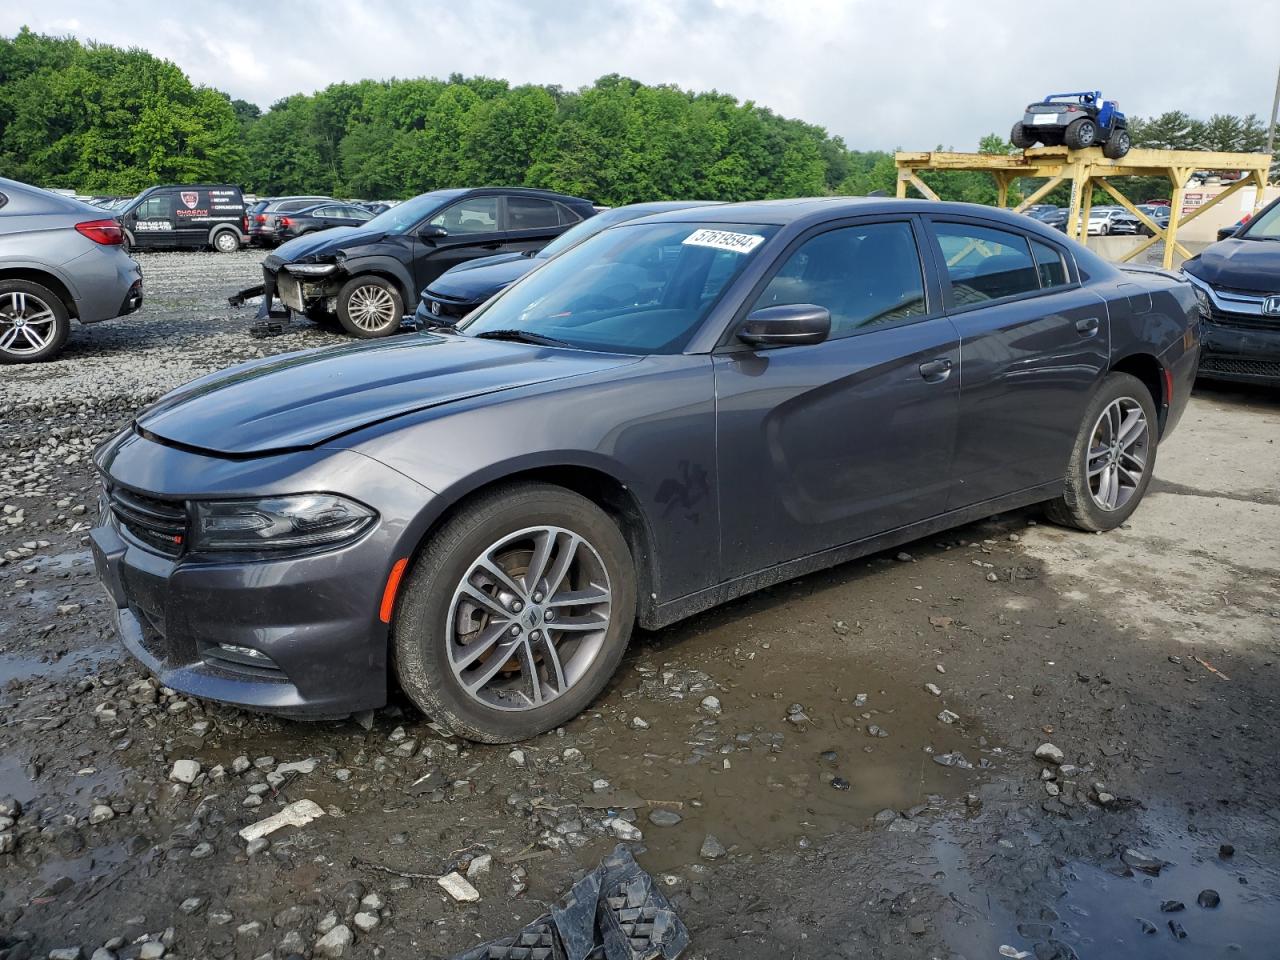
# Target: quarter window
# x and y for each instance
(986, 264)
(530, 213)
(474, 215)
(866, 276)
(1049, 265)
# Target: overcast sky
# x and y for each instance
(880, 73)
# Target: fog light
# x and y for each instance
(243, 651)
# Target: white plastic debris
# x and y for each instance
(297, 814)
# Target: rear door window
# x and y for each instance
(531, 213)
(984, 263)
(1050, 266)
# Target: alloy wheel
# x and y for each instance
(1118, 453)
(371, 307)
(529, 618)
(27, 324)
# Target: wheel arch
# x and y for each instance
(388, 269)
(592, 482)
(45, 279)
(1151, 372)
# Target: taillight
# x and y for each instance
(244, 223)
(1073, 109)
(285, 222)
(106, 232)
(260, 219)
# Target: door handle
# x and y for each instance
(1088, 326)
(935, 371)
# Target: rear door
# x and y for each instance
(473, 228)
(533, 222)
(830, 443)
(192, 216)
(1034, 344)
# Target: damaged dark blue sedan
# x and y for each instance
(681, 410)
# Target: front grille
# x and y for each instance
(159, 524)
(1240, 366)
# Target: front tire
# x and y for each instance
(1081, 134)
(1112, 459)
(34, 322)
(1117, 145)
(515, 614)
(370, 307)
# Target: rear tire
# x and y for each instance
(1110, 448)
(226, 241)
(513, 632)
(370, 307)
(34, 322)
(1081, 134)
(1020, 137)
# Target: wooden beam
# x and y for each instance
(1179, 177)
(1086, 205)
(1238, 185)
(1042, 192)
(1073, 208)
(921, 186)
(1157, 231)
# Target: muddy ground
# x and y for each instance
(1147, 656)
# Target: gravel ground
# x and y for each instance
(864, 782)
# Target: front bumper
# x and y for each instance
(1240, 354)
(312, 619)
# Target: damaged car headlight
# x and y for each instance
(1206, 305)
(302, 522)
(311, 269)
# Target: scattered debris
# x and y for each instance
(456, 886)
(1049, 753)
(297, 814)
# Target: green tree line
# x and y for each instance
(97, 118)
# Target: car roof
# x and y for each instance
(806, 210)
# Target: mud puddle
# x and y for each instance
(795, 746)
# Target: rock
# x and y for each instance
(239, 765)
(1172, 906)
(1147, 927)
(1143, 861)
(885, 816)
(639, 723)
(336, 943)
(712, 849)
(66, 953)
(516, 757)
(297, 766)
(948, 716)
(711, 705)
(1177, 930)
(600, 785)
(479, 867)
(366, 921)
(934, 689)
(201, 851)
(874, 730)
(192, 905)
(903, 557)
(457, 887)
(623, 830)
(1226, 851)
(840, 783)
(184, 771)
(290, 944)
(151, 950)
(9, 807)
(101, 814)
(992, 578)
(664, 818)
(256, 845)
(916, 926)
(1208, 899)
(374, 901)
(102, 953)
(1052, 789)
(1049, 753)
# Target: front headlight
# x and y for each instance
(297, 522)
(311, 269)
(1206, 305)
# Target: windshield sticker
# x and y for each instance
(724, 240)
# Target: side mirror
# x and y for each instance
(787, 325)
(432, 233)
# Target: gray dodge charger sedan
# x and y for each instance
(681, 410)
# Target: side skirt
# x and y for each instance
(668, 613)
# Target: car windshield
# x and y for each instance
(403, 217)
(589, 228)
(1265, 226)
(643, 288)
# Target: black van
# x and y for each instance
(189, 216)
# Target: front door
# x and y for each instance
(153, 222)
(473, 228)
(1034, 345)
(827, 444)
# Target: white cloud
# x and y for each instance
(880, 73)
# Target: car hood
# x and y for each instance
(299, 400)
(1239, 264)
(482, 282)
(326, 242)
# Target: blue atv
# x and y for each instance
(1076, 120)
